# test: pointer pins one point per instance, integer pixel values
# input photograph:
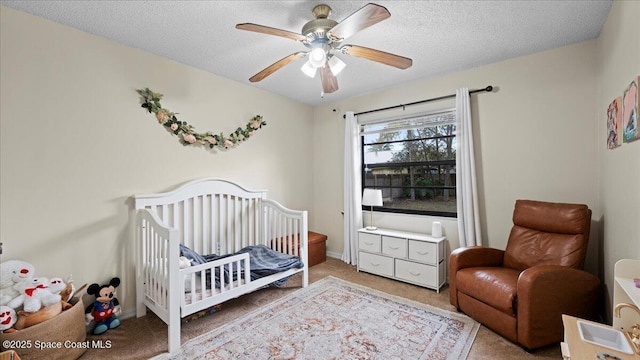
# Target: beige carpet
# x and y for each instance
(146, 337)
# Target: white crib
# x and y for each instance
(210, 216)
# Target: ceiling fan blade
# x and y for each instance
(386, 58)
(366, 16)
(276, 66)
(329, 82)
(270, 31)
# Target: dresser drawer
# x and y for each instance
(417, 273)
(394, 246)
(369, 242)
(376, 264)
(423, 251)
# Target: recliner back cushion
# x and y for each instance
(548, 234)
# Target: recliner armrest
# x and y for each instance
(546, 292)
(472, 256)
(475, 256)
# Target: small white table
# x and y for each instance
(405, 256)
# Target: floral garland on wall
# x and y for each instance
(188, 136)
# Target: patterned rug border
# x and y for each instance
(312, 289)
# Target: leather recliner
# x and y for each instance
(521, 292)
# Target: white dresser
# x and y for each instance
(410, 257)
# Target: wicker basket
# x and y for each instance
(61, 337)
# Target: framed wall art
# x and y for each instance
(614, 123)
(630, 112)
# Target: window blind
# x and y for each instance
(437, 118)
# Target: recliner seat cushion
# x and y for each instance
(493, 286)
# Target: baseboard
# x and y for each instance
(334, 255)
(127, 315)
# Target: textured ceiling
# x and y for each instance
(440, 36)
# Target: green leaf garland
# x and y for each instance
(188, 136)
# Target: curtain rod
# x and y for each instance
(487, 89)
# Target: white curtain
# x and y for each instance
(468, 215)
(352, 188)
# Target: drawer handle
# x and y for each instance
(368, 243)
(414, 274)
(394, 247)
(423, 253)
(374, 264)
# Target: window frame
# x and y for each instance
(407, 165)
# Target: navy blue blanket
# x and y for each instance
(263, 262)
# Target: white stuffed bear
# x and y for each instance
(8, 317)
(11, 273)
(34, 294)
(56, 285)
(184, 262)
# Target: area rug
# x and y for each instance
(336, 319)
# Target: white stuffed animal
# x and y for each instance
(65, 289)
(8, 317)
(56, 285)
(34, 294)
(184, 262)
(11, 273)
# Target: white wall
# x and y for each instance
(534, 139)
(618, 54)
(75, 145)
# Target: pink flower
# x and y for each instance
(174, 127)
(212, 140)
(255, 123)
(251, 133)
(189, 138)
(162, 116)
(228, 144)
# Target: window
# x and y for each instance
(413, 161)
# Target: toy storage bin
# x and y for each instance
(66, 330)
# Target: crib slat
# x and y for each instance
(281, 232)
(246, 222)
(195, 223)
(244, 203)
(146, 256)
(221, 224)
(274, 227)
(208, 237)
(165, 215)
(252, 222)
(206, 219)
(222, 280)
(213, 226)
(152, 264)
(203, 284)
(271, 235)
(296, 246)
(183, 225)
(236, 225)
(175, 223)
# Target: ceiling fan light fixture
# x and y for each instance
(317, 57)
(336, 65)
(323, 36)
(309, 70)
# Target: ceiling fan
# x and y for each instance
(323, 37)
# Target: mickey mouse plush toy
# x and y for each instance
(105, 308)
